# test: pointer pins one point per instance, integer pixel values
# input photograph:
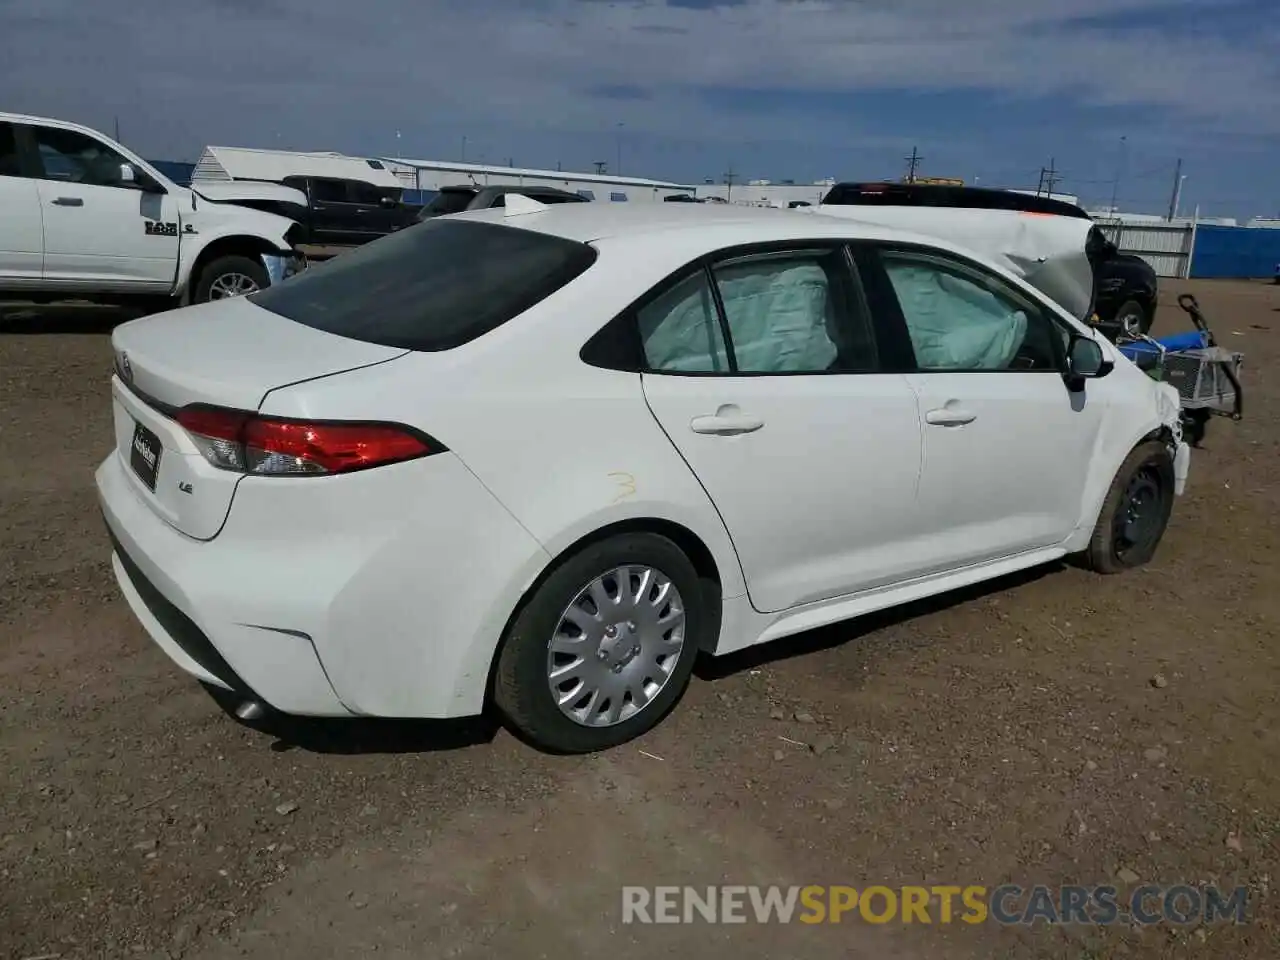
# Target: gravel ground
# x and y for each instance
(1016, 733)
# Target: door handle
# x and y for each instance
(69, 202)
(949, 417)
(725, 424)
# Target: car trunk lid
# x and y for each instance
(229, 353)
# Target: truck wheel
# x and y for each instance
(1133, 319)
(230, 277)
(1135, 512)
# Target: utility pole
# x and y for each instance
(117, 128)
(913, 162)
(1115, 184)
(1040, 182)
(1177, 189)
(728, 179)
(1051, 177)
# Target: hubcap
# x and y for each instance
(616, 646)
(1138, 519)
(231, 285)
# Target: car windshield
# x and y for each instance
(449, 201)
(431, 287)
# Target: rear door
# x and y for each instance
(21, 223)
(763, 370)
(1007, 446)
(374, 218)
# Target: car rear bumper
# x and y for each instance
(370, 604)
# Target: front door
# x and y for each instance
(763, 371)
(99, 228)
(1007, 445)
(21, 226)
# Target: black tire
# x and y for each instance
(1134, 309)
(1129, 530)
(521, 690)
(226, 267)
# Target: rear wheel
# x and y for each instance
(1135, 512)
(1133, 319)
(228, 277)
(604, 647)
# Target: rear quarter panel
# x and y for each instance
(567, 448)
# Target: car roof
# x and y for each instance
(46, 122)
(946, 195)
(721, 224)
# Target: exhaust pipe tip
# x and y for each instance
(251, 710)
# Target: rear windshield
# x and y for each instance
(450, 201)
(430, 287)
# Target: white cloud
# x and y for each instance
(532, 63)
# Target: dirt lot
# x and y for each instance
(1013, 734)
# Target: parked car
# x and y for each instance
(349, 212)
(548, 454)
(1125, 285)
(82, 217)
(460, 198)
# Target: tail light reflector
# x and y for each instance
(272, 446)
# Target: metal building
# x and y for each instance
(428, 176)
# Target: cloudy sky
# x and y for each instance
(688, 89)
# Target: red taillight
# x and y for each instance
(270, 446)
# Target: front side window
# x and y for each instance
(587, 194)
(618, 197)
(961, 319)
(72, 157)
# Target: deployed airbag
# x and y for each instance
(777, 313)
(953, 324)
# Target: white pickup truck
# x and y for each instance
(84, 218)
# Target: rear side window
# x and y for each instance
(430, 287)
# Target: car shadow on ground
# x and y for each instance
(62, 318)
(352, 736)
(846, 631)
(362, 735)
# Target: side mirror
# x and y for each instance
(1085, 361)
(128, 175)
(388, 202)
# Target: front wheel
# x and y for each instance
(228, 277)
(1135, 512)
(604, 647)
(1133, 319)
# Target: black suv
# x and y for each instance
(458, 199)
(1124, 294)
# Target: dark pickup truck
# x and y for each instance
(343, 213)
(457, 199)
(1124, 296)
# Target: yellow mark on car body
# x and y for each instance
(626, 483)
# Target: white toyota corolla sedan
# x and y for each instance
(545, 456)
